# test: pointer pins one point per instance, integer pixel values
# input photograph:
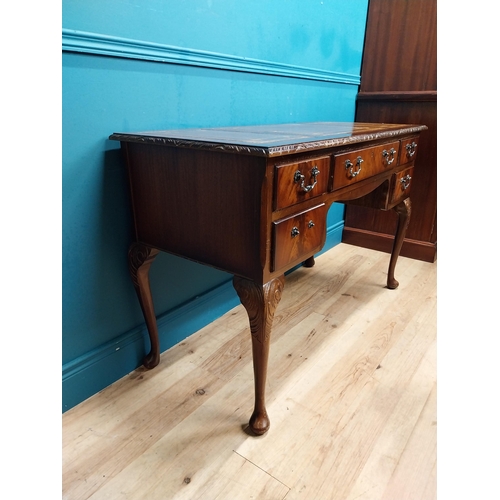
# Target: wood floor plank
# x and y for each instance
(240, 479)
(116, 440)
(414, 476)
(391, 442)
(351, 397)
(195, 459)
(349, 375)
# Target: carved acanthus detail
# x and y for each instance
(260, 301)
(138, 255)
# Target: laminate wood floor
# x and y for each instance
(351, 395)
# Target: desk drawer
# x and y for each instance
(299, 235)
(400, 186)
(409, 149)
(300, 181)
(364, 163)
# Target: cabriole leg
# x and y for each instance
(403, 210)
(260, 301)
(140, 258)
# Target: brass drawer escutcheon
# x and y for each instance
(299, 177)
(405, 182)
(389, 156)
(349, 165)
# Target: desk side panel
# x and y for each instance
(202, 205)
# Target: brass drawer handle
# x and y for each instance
(310, 224)
(299, 177)
(389, 155)
(411, 148)
(405, 182)
(349, 165)
(295, 232)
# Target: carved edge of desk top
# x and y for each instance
(271, 151)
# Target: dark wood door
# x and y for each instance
(399, 85)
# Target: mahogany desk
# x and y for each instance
(253, 201)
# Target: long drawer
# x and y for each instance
(361, 164)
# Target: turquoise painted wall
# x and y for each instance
(172, 64)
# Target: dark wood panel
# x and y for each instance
(400, 46)
(162, 178)
(419, 250)
(399, 85)
(424, 187)
(409, 96)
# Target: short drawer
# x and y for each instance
(300, 181)
(363, 163)
(400, 186)
(409, 148)
(299, 235)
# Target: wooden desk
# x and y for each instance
(253, 201)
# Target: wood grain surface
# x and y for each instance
(351, 393)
